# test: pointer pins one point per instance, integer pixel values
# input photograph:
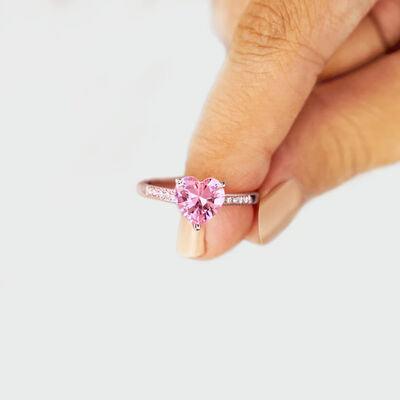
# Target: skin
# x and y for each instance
(310, 91)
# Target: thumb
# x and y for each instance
(278, 51)
(347, 127)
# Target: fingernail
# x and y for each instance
(191, 243)
(278, 208)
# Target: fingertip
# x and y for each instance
(226, 230)
(190, 242)
(276, 210)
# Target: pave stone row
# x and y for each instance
(160, 193)
(168, 195)
(233, 200)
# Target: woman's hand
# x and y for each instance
(269, 126)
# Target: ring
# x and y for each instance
(198, 201)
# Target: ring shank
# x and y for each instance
(164, 190)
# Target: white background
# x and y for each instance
(94, 301)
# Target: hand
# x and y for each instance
(375, 34)
(269, 126)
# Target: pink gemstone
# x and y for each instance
(199, 201)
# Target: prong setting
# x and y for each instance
(178, 181)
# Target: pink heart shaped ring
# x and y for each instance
(198, 201)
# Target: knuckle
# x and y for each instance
(346, 151)
(275, 29)
(359, 154)
(333, 152)
(262, 27)
(354, 152)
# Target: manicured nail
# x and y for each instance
(191, 243)
(278, 208)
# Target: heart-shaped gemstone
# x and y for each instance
(199, 201)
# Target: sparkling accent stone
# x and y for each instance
(160, 193)
(199, 201)
(239, 199)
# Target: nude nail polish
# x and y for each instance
(278, 208)
(190, 243)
